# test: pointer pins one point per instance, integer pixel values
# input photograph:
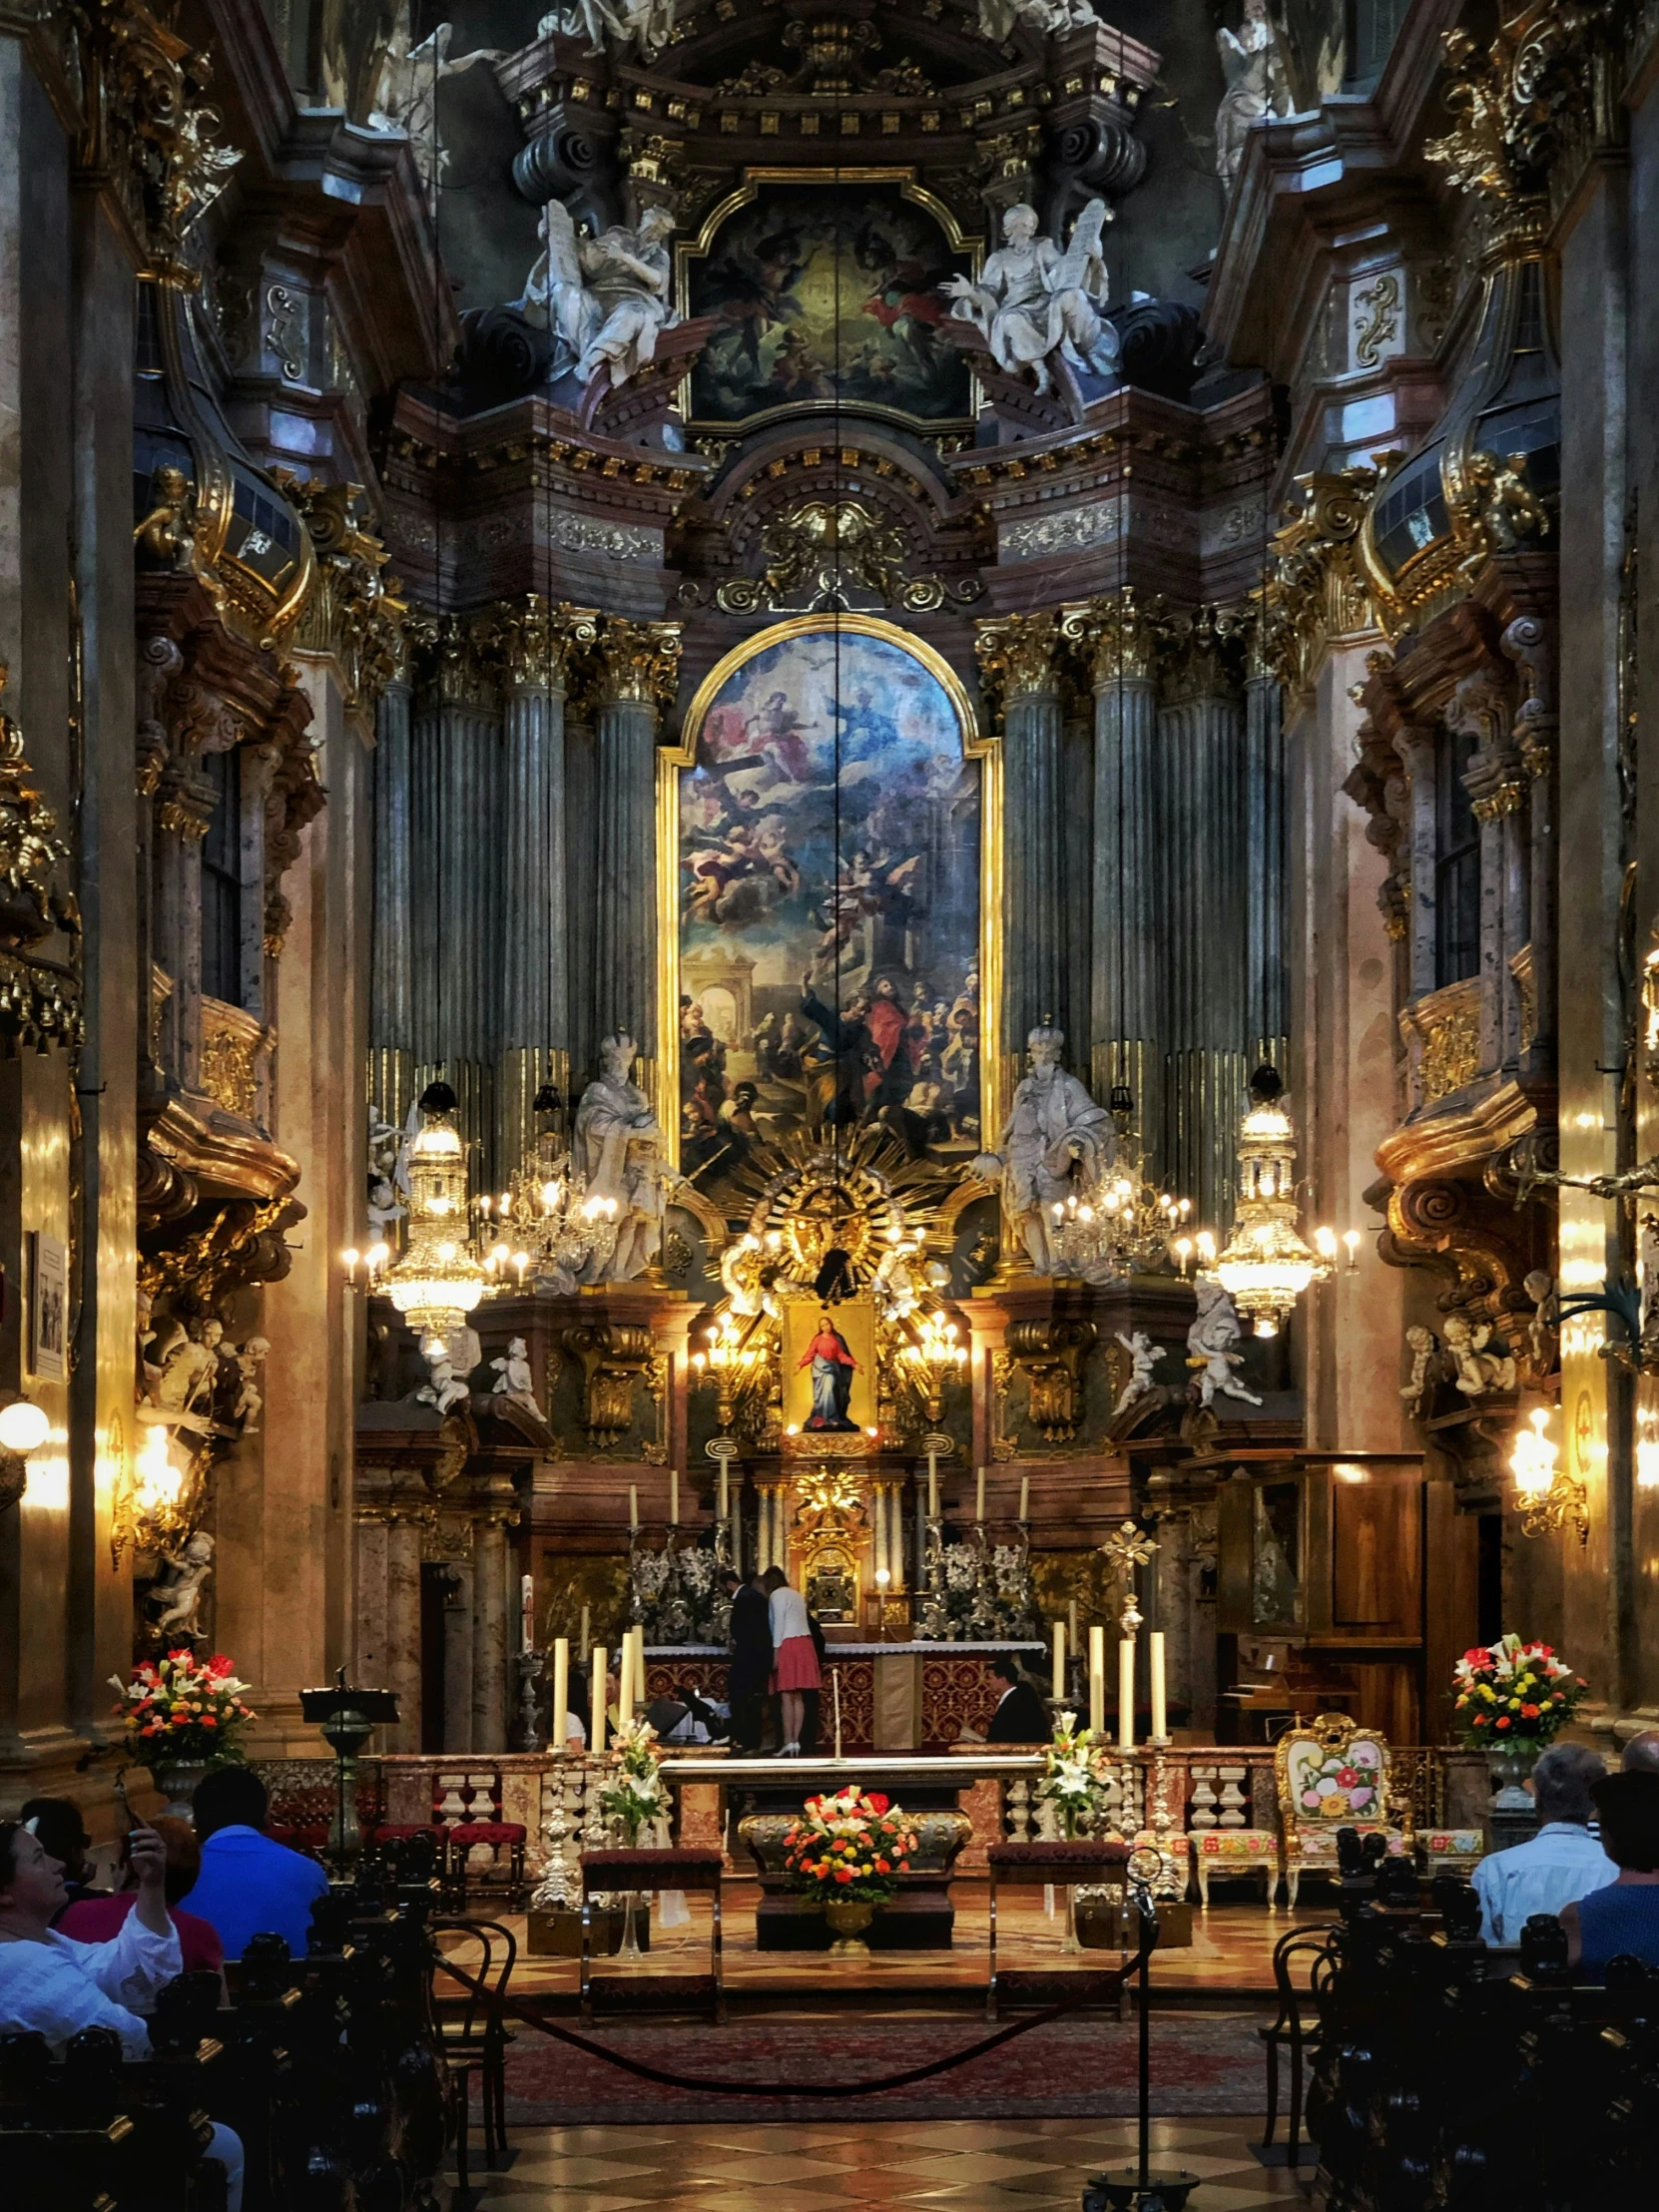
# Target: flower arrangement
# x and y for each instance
(850, 1848)
(634, 1796)
(1073, 1782)
(180, 1709)
(1513, 1696)
(1337, 1785)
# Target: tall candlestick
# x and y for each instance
(932, 1485)
(1071, 1615)
(979, 1498)
(623, 1668)
(526, 1612)
(1026, 1498)
(674, 1498)
(587, 1638)
(724, 1485)
(1126, 1694)
(880, 1516)
(596, 1717)
(1059, 1689)
(895, 1547)
(636, 1674)
(633, 1505)
(560, 1738)
(836, 1679)
(1097, 1679)
(1160, 1703)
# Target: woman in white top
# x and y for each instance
(794, 1666)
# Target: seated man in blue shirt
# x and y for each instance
(248, 1886)
(1561, 1864)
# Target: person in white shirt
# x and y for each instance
(1563, 1861)
(795, 1667)
(54, 1987)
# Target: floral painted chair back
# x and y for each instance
(1333, 1774)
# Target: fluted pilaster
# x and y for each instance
(1019, 657)
(637, 671)
(391, 999)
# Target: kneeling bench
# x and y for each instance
(649, 1870)
(1034, 1866)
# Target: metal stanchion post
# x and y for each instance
(1137, 2188)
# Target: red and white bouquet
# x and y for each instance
(1513, 1695)
(850, 1848)
(182, 1709)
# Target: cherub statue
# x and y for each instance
(997, 18)
(748, 1269)
(1507, 506)
(514, 1384)
(443, 1388)
(649, 22)
(1210, 1342)
(1143, 1357)
(1539, 1285)
(1257, 85)
(1056, 1135)
(168, 532)
(618, 1150)
(604, 299)
(190, 1369)
(179, 1590)
(1034, 299)
(405, 96)
(1478, 1371)
(386, 1152)
(1424, 1345)
(250, 1359)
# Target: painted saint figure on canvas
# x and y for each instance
(833, 1368)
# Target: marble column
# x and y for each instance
(460, 1629)
(1118, 639)
(489, 1636)
(1527, 644)
(1415, 743)
(1267, 895)
(535, 977)
(402, 1637)
(638, 672)
(1019, 655)
(1203, 854)
(391, 994)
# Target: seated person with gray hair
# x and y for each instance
(1563, 1861)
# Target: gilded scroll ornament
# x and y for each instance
(1018, 654)
(830, 553)
(40, 999)
(535, 641)
(1117, 637)
(1315, 589)
(354, 611)
(1450, 1053)
(639, 661)
(613, 1356)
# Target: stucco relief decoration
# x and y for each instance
(835, 553)
(829, 900)
(355, 609)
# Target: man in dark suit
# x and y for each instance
(748, 1676)
(1020, 1715)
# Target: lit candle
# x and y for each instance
(561, 1694)
(674, 1498)
(1160, 1710)
(979, 1498)
(1026, 1498)
(596, 1719)
(879, 1532)
(932, 1485)
(587, 1638)
(1071, 1614)
(1059, 1689)
(836, 1679)
(633, 1505)
(1126, 1694)
(1097, 1678)
(527, 1612)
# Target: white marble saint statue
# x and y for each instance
(1057, 1139)
(1143, 1357)
(1416, 1389)
(177, 1596)
(1257, 85)
(649, 22)
(1034, 299)
(997, 18)
(1211, 1346)
(618, 1148)
(605, 300)
(514, 1384)
(250, 1399)
(405, 94)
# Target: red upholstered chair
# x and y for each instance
(504, 1873)
(655, 1870)
(1035, 1866)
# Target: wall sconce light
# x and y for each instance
(1548, 1497)
(24, 1427)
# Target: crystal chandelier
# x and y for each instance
(1266, 1265)
(932, 1354)
(437, 1280)
(550, 1227)
(1120, 1223)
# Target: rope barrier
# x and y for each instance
(1109, 1983)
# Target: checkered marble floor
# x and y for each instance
(982, 2166)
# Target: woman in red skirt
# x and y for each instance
(794, 1666)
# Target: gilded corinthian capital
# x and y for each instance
(1018, 654)
(533, 640)
(638, 661)
(1117, 637)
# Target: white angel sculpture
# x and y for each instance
(1257, 85)
(604, 299)
(997, 18)
(650, 22)
(405, 94)
(1034, 299)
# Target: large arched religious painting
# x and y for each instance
(831, 823)
(824, 289)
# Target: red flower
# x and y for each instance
(1530, 1712)
(1480, 1720)
(219, 1664)
(876, 1802)
(1503, 1720)
(843, 1874)
(882, 1866)
(1347, 1776)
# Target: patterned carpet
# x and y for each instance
(1080, 2067)
(980, 2166)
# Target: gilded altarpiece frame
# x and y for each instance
(673, 764)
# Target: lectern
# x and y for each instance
(347, 1717)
